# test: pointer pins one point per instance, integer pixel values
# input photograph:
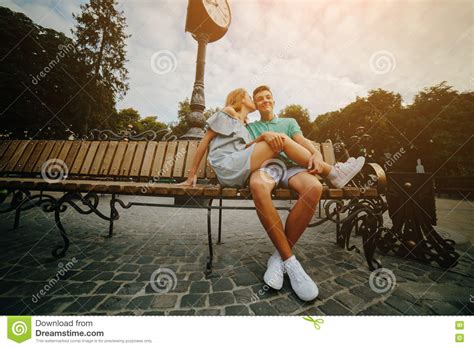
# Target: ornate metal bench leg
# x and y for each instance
(219, 240)
(17, 200)
(60, 251)
(209, 240)
(113, 215)
(370, 235)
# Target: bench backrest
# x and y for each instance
(118, 160)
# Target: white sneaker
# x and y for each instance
(273, 276)
(302, 284)
(342, 173)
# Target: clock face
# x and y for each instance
(219, 11)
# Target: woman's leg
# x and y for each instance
(263, 152)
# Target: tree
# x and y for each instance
(180, 127)
(100, 37)
(40, 84)
(301, 115)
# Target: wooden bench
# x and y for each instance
(85, 169)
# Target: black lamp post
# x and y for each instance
(207, 21)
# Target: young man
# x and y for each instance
(302, 180)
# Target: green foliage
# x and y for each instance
(301, 115)
(438, 128)
(180, 127)
(40, 85)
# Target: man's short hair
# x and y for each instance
(260, 89)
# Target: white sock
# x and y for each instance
(292, 257)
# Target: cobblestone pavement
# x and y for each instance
(118, 275)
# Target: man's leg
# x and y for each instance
(261, 186)
(309, 194)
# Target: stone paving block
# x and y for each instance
(162, 301)
(193, 300)
(334, 308)
(222, 284)
(237, 310)
(221, 299)
(200, 287)
(263, 308)
(108, 288)
(131, 288)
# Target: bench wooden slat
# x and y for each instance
(81, 154)
(158, 160)
(43, 157)
(8, 154)
(86, 165)
(317, 146)
(178, 170)
(71, 155)
(128, 158)
(58, 145)
(138, 159)
(65, 150)
(35, 155)
(118, 158)
(108, 157)
(23, 160)
(168, 163)
(148, 159)
(96, 165)
(4, 146)
(16, 156)
(192, 147)
(328, 153)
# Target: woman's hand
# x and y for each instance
(191, 181)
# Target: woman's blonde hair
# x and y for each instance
(234, 98)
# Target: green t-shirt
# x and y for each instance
(288, 126)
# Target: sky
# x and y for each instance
(320, 54)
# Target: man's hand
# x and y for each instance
(275, 140)
(315, 165)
